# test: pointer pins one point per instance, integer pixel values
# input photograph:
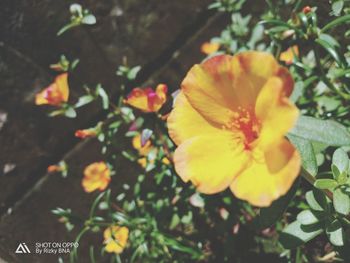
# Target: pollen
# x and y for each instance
(245, 121)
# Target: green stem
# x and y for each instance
(311, 179)
(325, 79)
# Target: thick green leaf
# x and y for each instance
(336, 172)
(335, 233)
(296, 234)
(330, 49)
(323, 131)
(133, 72)
(268, 216)
(341, 160)
(307, 217)
(70, 112)
(337, 7)
(317, 200)
(83, 100)
(89, 19)
(341, 202)
(339, 21)
(325, 183)
(307, 153)
(102, 93)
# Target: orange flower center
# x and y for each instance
(245, 121)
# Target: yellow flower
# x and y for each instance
(143, 150)
(289, 55)
(96, 176)
(115, 238)
(146, 99)
(143, 162)
(229, 122)
(209, 48)
(55, 94)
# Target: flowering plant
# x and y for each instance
(254, 143)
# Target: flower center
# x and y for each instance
(246, 122)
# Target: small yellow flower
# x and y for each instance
(146, 99)
(55, 94)
(209, 48)
(115, 239)
(143, 150)
(143, 162)
(229, 122)
(289, 55)
(96, 176)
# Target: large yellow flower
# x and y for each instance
(115, 238)
(229, 122)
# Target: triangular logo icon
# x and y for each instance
(22, 249)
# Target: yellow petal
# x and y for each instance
(185, 122)
(251, 76)
(40, 98)
(62, 85)
(268, 176)
(210, 163)
(275, 112)
(222, 84)
(138, 99)
(161, 91)
(209, 48)
(288, 55)
(209, 89)
(115, 238)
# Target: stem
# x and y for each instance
(324, 77)
(308, 177)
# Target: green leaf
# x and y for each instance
(339, 21)
(296, 234)
(341, 202)
(102, 93)
(331, 50)
(89, 20)
(329, 39)
(175, 220)
(269, 215)
(335, 233)
(306, 151)
(317, 200)
(186, 219)
(325, 183)
(335, 172)
(323, 131)
(133, 72)
(307, 217)
(70, 112)
(337, 7)
(83, 100)
(341, 160)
